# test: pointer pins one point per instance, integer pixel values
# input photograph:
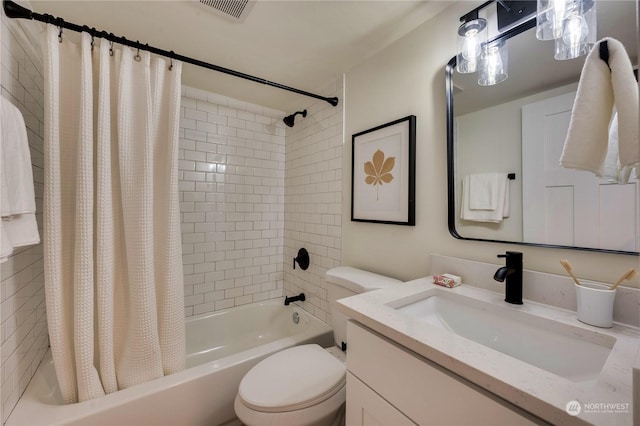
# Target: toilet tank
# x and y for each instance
(345, 281)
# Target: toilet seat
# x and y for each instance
(293, 379)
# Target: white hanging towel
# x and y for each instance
(487, 183)
(600, 88)
(613, 170)
(6, 248)
(483, 191)
(17, 197)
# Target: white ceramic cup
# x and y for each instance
(595, 303)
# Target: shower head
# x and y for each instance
(289, 120)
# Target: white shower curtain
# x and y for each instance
(113, 260)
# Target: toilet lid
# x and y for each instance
(292, 379)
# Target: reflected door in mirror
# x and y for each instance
(569, 207)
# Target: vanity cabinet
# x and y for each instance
(365, 407)
(388, 384)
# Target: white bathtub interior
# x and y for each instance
(221, 348)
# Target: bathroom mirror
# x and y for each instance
(495, 129)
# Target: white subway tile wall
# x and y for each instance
(313, 199)
(232, 160)
(23, 322)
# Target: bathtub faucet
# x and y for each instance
(299, 297)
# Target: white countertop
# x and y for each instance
(535, 390)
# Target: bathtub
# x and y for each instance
(221, 348)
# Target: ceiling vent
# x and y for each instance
(233, 10)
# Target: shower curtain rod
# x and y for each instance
(14, 10)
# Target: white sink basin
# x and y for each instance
(544, 343)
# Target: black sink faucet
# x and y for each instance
(512, 272)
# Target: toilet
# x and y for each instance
(306, 385)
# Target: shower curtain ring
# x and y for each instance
(60, 26)
(93, 34)
(138, 58)
(110, 38)
(171, 63)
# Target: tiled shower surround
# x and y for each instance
(249, 201)
(232, 159)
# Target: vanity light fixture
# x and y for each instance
(471, 34)
(476, 53)
(578, 30)
(549, 17)
(570, 23)
(493, 63)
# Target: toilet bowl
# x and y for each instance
(301, 385)
(306, 385)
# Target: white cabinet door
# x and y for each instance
(424, 392)
(566, 206)
(367, 408)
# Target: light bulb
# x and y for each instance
(470, 36)
(579, 30)
(549, 18)
(471, 46)
(493, 64)
(575, 30)
(555, 15)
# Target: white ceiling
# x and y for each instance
(304, 44)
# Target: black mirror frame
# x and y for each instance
(451, 200)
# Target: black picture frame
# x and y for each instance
(383, 173)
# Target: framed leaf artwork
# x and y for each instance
(383, 173)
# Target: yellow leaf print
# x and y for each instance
(378, 170)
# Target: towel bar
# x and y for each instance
(604, 55)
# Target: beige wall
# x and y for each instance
(408, 78)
